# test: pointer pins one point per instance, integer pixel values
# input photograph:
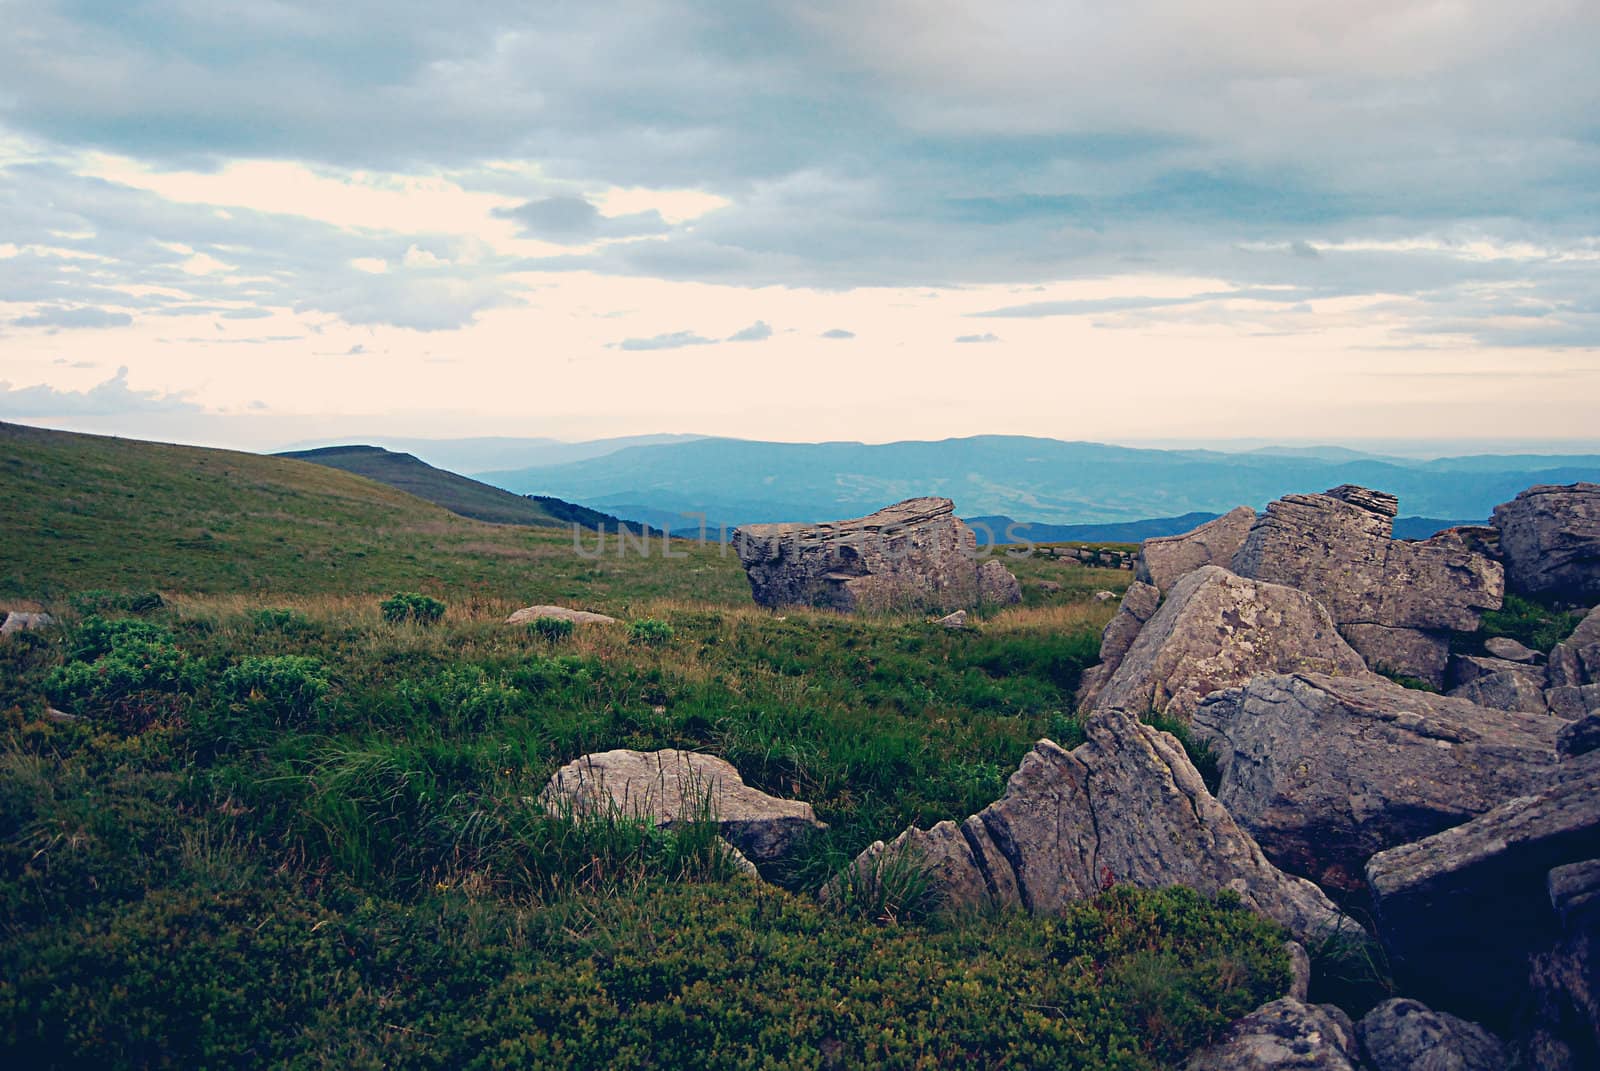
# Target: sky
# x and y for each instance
(284, 220)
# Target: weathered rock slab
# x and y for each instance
(1139, 604)
(913, 555)
(1164, 560)
(1217, 630)
(529, 614)
(1125, 806)
(1407, 1035)
(1509, 649)
(1326, 771)
(1285, 1035)
(1462, 911)
(672, 787)
(1550, 541)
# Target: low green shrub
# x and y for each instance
(276, 619)
(552, 629)
(717, 976)
(649, 632)
(290, 686)
(122, 668)
(1530, 623)
(411, 606)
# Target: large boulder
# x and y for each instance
(671, 788)
(1285, 1035)
(1407, 1035)
(1139, 604)
(915, 555)
(1326, 771)
(1395, 601)
(22, 621)
(1164, 560)
(1499, 683)
(1462, 911)
(1573, 673)
(1217, 630)
(1125, 806)
(1560, 1030)
(1550, 541)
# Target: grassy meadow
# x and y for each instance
(257, 824)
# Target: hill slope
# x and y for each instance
(1037, 480)
(89, 511)
(456, 493)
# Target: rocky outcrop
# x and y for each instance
(22, 621)
(1499, 683)
(1407, 1035)
(1394, 600)
(673, 787)
(1573, 673)
(1550, 542)
(1285, 1035)
(529, 614)
(1164, 560)
(1139, 604)
(1125, 806)
(915, 555)
(1462, 911)
(1217, 630)
(1326, 771)
(1509, 649)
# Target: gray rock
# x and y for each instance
(1217, 630)
(1462, 911)
(1126, 806)
(1579, 737)
(1283, 1035)
(1407, 1035)
(21, 621)
(1299, 970)
(1467, 668)
(1104, 596)
(1325, 771)
(957, 620)
(673, 787)
(1561, 1029)
(1164, 560)
(1509, 649)
(1550, 541)
(530, 614)
(996, 585)
(1575, 661)
(914, 555)
(1411, 652)
(1506, 690)
(1139, 604)
(1392, 599)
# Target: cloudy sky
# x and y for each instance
(263, 222)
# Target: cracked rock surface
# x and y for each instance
(1126, 806)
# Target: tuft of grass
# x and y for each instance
(411, 606)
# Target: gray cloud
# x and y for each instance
(58, 316)
(986, 337)
(110, 398)
(756, 332)
(574, 221)
(837, 332)
(672, 341)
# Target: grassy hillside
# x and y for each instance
(456, 493)
(260, 825)
(86, 511)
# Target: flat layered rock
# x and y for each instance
(1327, 771)
(914, 555)
(1462, 911)
(1550, 541)
(1395, 601)
(530, 614)
(1127, 806)
(1164, 560)
(674, 787)
(1217, 630)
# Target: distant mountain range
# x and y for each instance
(493, 452)
(456, 493)
(1041, 481)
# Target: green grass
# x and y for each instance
(284, 830)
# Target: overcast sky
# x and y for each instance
(255, 223)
